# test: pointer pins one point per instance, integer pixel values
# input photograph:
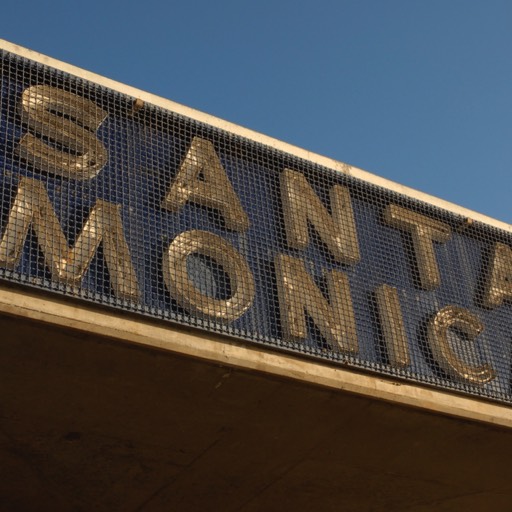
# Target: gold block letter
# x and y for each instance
(467, 323)
(66, 119)
(188, 295)
(215, 191)
(424, 231)
(392, 324)
(298, 295)
(301, 204)
(499, 282)
(32, 207)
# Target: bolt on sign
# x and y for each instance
(127, 203)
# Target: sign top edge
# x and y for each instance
(255, 136)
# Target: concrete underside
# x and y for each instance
(89, 423)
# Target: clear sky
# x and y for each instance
(416, 91)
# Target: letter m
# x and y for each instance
(32, 207)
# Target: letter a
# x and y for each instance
(215, 191)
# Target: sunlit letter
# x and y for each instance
(188, 295)
(392, 325)
(424, 232)
(214, 191)
(301, 204)
(298, 295)
(459, 319)
(68, 264)
(66, 120)
(499, 281)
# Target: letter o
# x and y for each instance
(186, 293)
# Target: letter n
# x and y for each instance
(298, 295)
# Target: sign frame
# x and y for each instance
(215, 347)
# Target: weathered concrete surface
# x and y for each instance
(88, 423)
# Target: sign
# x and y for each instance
(123, 202)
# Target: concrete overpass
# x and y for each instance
(105, 412)
(363, 372)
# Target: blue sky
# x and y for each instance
(416, 91)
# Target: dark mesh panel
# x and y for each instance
(92, 206)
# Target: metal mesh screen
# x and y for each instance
(131, 206)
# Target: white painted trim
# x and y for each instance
(221, 350)
(252, 135)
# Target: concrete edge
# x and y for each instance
(222, 350)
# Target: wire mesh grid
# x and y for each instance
(126, 204)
